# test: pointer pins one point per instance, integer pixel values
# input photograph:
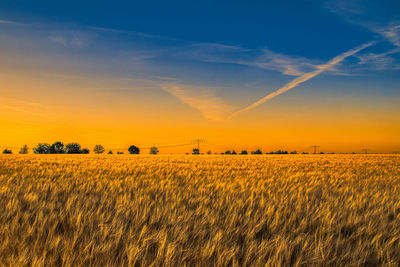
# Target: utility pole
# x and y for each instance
(315, 149)
(198, 141)
(365, 150)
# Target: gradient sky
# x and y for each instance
(166, 72)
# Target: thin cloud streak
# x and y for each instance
(304, 78)
(130, 32)
(391, 34)
(9, 22)
(200, 98)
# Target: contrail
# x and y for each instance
(305, 77)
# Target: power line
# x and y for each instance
(186, 144)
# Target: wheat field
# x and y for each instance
(269, 210)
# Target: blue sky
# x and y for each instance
(232, 44)
(210, 58)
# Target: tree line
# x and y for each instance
(75, 148)
(72, 148)
(255, 152)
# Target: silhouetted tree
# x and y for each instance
(42, 148)
(7, 151)
(84, 151)
(244, 152)
(57, 148)
(209, 152)
(24, 149)
(279, 152)
(234, 152)
(134, 150)
(98, 149)
(154, 150)
(294, 152)
(228, 152)
(196, 151)
(73, 148)
(257, 152)
(110, 152)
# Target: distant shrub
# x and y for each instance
(24, 149)
(154, 150)
(73, 148)
(110, 152)
(84, 151)
(57, 148)
(98, 149)
(42, 148)
(244, 152)
(257, 152)
(279, 152)
(7, 151)
(133, 150)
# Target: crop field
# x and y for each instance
(127, 210)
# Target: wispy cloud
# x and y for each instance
(384, 60)
(10, 22)
(260, 58)
(304, 78)
(58, 40)
(21, 102)
(165, 78)
(113, 89)
(130, 32)
(217, 47)
(264, 58)
(357, 13)
(77, 39)
(201, 98)
(379, 61)
(345, 7)
(17, 106)
(288, 65)
(14, 109)
(391, 34)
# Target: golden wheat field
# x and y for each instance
(123, 210)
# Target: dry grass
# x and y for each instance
(199, 210)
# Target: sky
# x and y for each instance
(238, 74)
